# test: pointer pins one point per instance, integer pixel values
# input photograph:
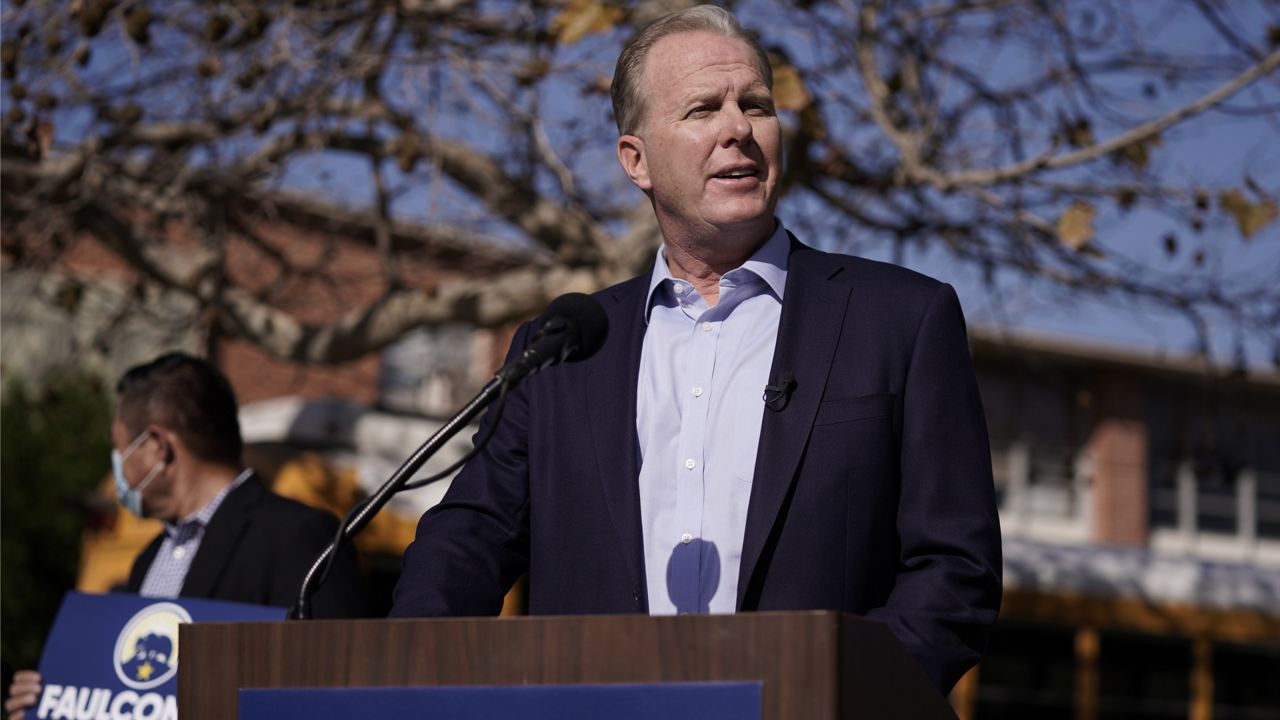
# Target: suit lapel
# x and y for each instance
(813, 312)
(138, 574)
(611, 400)
(217, 547)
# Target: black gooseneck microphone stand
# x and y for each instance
(370, 507)
(576, 328)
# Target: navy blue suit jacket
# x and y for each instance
(872, 491)
(257, 548)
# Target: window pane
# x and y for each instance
(1216, 507)
(1050, 484)
(1268, 504)
(1164, 494)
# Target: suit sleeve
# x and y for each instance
(947, 591)
(472, 547)
(343, 593)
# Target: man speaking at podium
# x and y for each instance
(767, 427)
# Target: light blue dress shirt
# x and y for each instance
(699, 405)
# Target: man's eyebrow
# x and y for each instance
(699, 96)
(717, 90)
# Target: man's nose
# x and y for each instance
(737, 128)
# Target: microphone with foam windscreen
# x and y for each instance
(573, 327)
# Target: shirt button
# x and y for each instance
(697, 391)
(706, 327)
(179, 553)
(691, 463)
(678, 287)
(685, 539)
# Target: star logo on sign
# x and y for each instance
(145, 670)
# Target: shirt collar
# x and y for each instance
(768, 262)
(204, 514)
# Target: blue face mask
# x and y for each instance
(131, 497)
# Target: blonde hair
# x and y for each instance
(628, 105)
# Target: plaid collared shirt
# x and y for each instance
(181, 542)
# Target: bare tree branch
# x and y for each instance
(434, 133)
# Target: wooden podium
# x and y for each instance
(812, 665)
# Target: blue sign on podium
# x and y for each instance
(115, 657)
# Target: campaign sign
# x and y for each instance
(650, 701)
(115, 657)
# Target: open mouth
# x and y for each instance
(738, 174)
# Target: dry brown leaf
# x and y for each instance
(789, 91)
(1079, 133)
(1075, 227)
(1250, 216)
(1137, 155)
(580, 18)
(532, 71)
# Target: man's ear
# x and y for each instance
(164, 440)
(633, 160)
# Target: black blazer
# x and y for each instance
(257, 548)
(872, 490)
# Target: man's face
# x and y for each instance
(708, 144)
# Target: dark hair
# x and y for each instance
(187, 396)
(628, 103)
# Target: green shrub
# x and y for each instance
(55, 447)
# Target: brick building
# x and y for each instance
(1140, 508)
(86, 307)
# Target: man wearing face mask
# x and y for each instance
(226, 537)
(177, 458)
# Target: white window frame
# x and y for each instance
(1016, 516)
(1187, 539)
